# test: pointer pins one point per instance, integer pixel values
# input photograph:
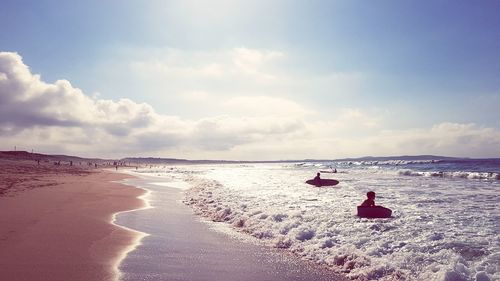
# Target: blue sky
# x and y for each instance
(330, 78)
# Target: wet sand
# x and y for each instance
(181, 247)
(56, 222)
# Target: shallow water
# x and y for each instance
(181, 247)
(443, 227)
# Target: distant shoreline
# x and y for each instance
(137, 161)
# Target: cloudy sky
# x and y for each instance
(250, 80)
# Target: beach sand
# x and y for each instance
(56, 222)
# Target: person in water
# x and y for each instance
(317, 177)
(370, 201)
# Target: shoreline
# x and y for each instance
(58, 223)
(139, 235)
(183, 246)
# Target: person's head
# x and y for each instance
(317, 174)
(370, 195)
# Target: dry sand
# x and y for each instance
(55, 222)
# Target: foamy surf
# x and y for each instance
(442, 229)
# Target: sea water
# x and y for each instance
(445, 223)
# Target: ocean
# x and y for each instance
(445, 223)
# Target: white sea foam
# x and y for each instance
(366, 163)
(452, 174)
(175, 184)
(442, 228)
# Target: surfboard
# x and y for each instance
(374, 212)
(323, 182)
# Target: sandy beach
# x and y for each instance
(56, 221)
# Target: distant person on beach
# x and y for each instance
(370, 201)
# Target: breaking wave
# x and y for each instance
(452, 174)
(442, 230)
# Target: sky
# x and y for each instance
(250, 80)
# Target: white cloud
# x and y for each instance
(263, 106)
(59, 118)
(353, 116)
(235, 63)
(251, 61)
(446, 138)
(199, 82)
(195, 96)
(64, 117)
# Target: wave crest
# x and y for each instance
(457, 174)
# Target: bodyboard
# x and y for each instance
(323, 182)
(374, 212)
